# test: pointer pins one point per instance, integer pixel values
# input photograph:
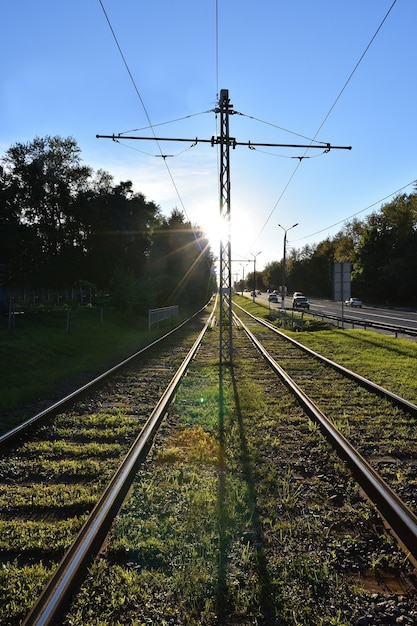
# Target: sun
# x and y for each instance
(219, 232)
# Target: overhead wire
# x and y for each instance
(324, 121)
(177, 154)
(178, 119)
(370, 206)
(151, 126)
(217, 49)
(286, 130)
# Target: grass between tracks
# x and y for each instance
(386, 360)
(228, 523)
(197, 545)
(48, 512)
(44, 353)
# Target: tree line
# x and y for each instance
(382, 249)
(65, 225)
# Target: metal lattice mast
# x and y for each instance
(225, 244)
(225, 109)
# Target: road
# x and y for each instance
(394, 317)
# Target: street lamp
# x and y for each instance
(284, 263)
(254, 272)
(243, 279)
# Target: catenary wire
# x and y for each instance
(323, 122)
(370, 206)
(151, 126)
(178, 119)
(286, 130)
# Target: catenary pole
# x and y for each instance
(225, 109)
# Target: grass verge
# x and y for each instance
(44, 358)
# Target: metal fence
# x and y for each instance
(156, 316)
(366, 324)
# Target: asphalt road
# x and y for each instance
(395, 317)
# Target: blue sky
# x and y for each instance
(288, 67)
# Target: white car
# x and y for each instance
(354, 302)
(300, 302)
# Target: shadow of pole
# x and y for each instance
(267, 601)
(221, 583)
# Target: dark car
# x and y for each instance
(300, 302)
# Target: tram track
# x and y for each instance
(55, 465)
(259, 534)
(276, 503)
(379, 424)
(398, 515)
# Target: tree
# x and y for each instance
(41, 179)
(181, 263)
(272, 275)
(118, 225)
(385, 262)
(62, 224)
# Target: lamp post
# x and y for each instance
(243, 278)
(254, 272)
(284, 263)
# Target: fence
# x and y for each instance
(366, 324)
(156, 316)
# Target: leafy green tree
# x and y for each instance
(62, 224)
(41, 179)
(181, 263)
(272, 275)
(385, 263)
(118, 227)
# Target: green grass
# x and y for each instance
(227, 522)
(194, 543)
(42, 357)
(386, 360)
(18, 587)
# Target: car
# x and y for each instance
(300, 302)
(354, 302)
(253, 294)
(273, 297)
(298, 294)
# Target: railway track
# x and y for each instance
(365, 413)
(57, 463)
(303, 477)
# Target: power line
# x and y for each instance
(217, 49)
(255, 119)
(324, 121)
(355, 68)
(178, 119)
(151, 126)
(390, 195)
(125, 63)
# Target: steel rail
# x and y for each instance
(397, 400)
(402, 521)
(77, 394)
(54, 598)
